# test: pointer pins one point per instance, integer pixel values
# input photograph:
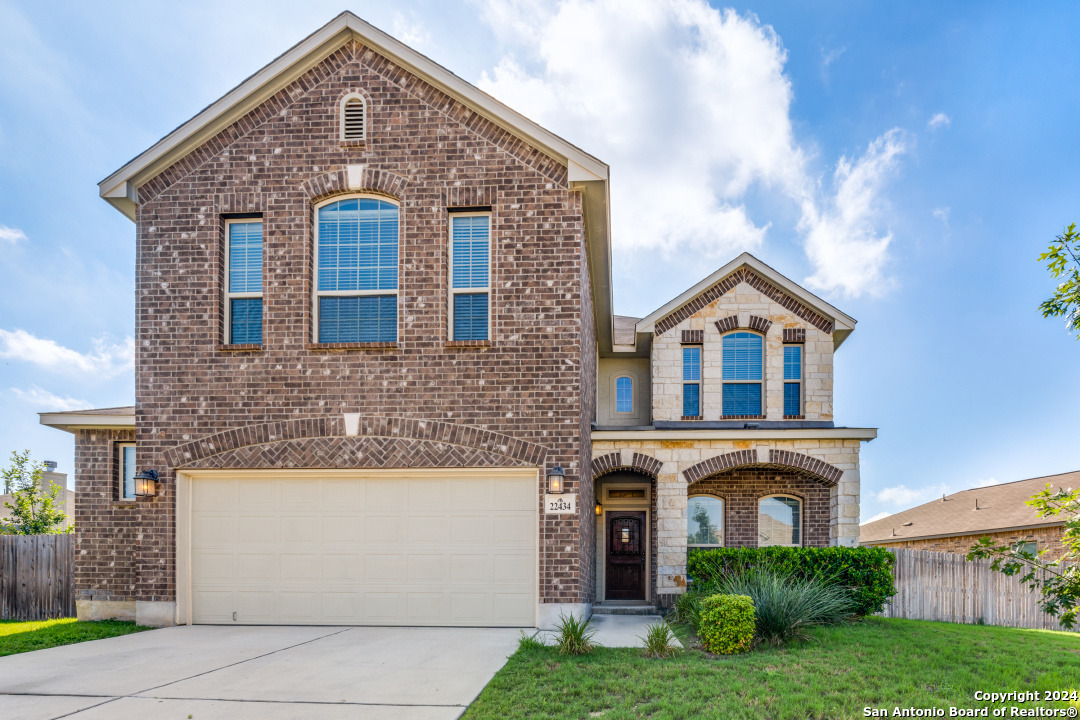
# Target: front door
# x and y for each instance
(625, 556)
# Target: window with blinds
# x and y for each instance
(470, 276)
(353, 118)
(691, 381)
(743, 363)
(793, 380)
(243, 281)
(356, 271)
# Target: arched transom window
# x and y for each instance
(743, 362)
(704, 521)
(780, 521)
(356, 276)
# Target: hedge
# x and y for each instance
(727, 624)
(866, 571)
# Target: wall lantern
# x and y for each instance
(146, 483)
(599, 509)
(555, 479)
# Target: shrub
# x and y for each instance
(866, 572)
(575, 637)
(727, 624)
(659, 640)
(787, 606)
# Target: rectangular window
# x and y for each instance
(692, 381)
(470, 273)
(743, 369)
(793, 380)
(127, 471)
(244, 281)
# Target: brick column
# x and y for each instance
(670, 534)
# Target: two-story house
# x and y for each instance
(379, 379)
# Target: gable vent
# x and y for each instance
(353, 120)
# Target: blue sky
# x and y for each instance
(906, 161)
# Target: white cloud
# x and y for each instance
(939, 120)
(985, 482)
(11, 235)
(107, 358)
(942, 214)
(828, 57)
(691, 108)
(45, 400)
(842, 239)
(410, 30)
(902, 495)
(880, 515)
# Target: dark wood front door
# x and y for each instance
(625, 578)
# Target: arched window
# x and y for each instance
(356, 271)
(780, 521)
(624, 394)
(704, 521)
(353, 117)
(744, 359)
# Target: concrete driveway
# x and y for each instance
(236, 673)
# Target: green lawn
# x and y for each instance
(20, 637)
(877, 663)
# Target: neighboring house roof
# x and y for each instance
(843, 324)
(584, 172)
(625, 333)
(1000, 507)
(104, 418)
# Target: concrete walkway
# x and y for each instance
(615, 631)
(237, 673)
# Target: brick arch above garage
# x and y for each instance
(823, 472)
(313, 442)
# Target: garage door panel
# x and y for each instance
(435, 549)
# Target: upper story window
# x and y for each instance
(691, 381)
(356, 271)
(793, 380)
(704, 521)
(742, 373)
(624, 394)
(780, 521)
(470, 276)
(127, 471)
(243, 281)
(353, 117)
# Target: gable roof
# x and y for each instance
(1001, 507)
(120, 187)
(842, 323)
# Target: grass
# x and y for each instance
(20, 637)
(838, 672)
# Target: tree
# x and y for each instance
(1063, 261)
(34, 509)
(1058, 582)
(707, 533)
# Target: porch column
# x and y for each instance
(670, 534)
(844, 509)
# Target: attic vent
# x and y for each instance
(353, 119)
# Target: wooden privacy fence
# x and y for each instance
(947, 587)
(37, 576)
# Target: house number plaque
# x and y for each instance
(560, 504)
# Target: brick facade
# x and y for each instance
(742, 488)
(1047, 538)
(533, 382)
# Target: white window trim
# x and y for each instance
(723, 519)
(802, 520)
(341, 117)
(450, 272)
(802, 383)
(316, 293)
(700, 382)
(764, 364)
(633, 404)
(230, 296)
(120, 470)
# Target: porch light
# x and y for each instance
(555, 479)
(146, 483)
(599, 509)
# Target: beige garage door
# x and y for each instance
(428, 548)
